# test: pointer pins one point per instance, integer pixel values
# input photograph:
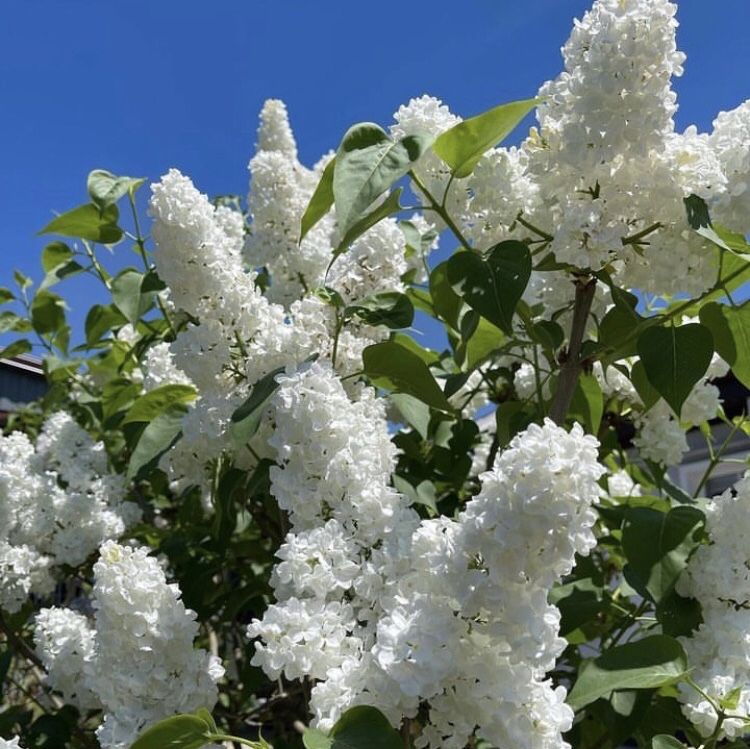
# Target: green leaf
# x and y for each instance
(11, 322)
(492, 286)
(486, 339)
(368, 162)
(57, 261)
(511, 418)
(128, 296)
(63, 271)
(24, 282)
(177, 732)
(664, 741)
(390, 308)
(6, 295)
(320, 202)
(387, 208)
(159, 400)
(415, 412)
(580, 602)
(158, 436)
(47, 312)
(675, 359)
(207, 718)
(359, 727)
(393, 367)
(645, 664)
(428, 356)
(105, 188)
(446, 303)
(16, 348)
(54, 254)
(731, 699)
(730, 328)
(658, 546)
(463, 145)
(246, 419)
(678, 616)
(422, 494)
(587, 406)
(646, 391)
(87, 222)
(100, 319)
(619, 323)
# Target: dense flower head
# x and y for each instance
(719, 577)
(398, 613)
(58, 502)
(136, 659)
(446, 619)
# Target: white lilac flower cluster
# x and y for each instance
(135, 660)
(606, 163)
(382, 609)
(718, 575)
(280, 189)
(58, 502)
(9, 743)
(238, 333)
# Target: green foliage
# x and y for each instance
(675, 358)
(358, 728)
(730, 328)
(492, 285)
(88, 222)
(658, 546)
(320, 202)
(105, 188)
(246, 419)
(158, 401)
(154, 440)
(367, 164)
(652, 662)
(390, 308)
(390, 206)
(463, 145)
(189, 731)
(391, 366)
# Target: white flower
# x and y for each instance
(137, 658)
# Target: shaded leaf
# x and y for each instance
(492, 286)
(645, 664)
(359, 727)
(390, 308)
(176, 732)
(387, 208)
(393, 367)
(658, 546)
(246, 419)
(675, 359)
(158, 436)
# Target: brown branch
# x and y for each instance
(571, 368)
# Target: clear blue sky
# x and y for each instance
(139, 86)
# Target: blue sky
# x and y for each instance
(140, 86)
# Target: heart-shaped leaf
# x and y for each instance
(493, 285)
(675, 359)
(368, 162)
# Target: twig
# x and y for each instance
(571, 368)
